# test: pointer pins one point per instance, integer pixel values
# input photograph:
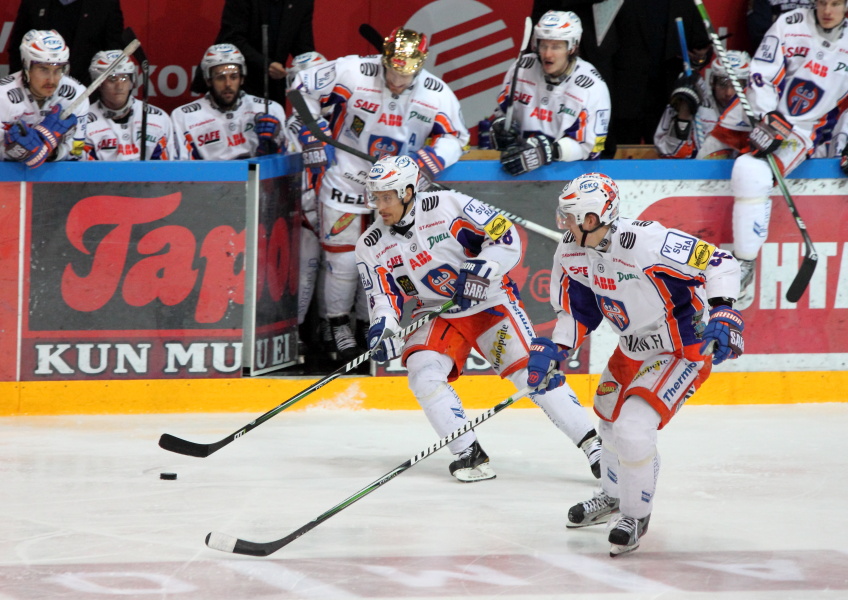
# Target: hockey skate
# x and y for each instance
(746, 284)
(625, 533)
(592, 512)
(592, 448)
(345, 343)
(325, 339)
(472, 464)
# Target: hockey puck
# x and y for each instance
(167, 475)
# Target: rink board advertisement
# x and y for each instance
(133, 280)
(9, 254)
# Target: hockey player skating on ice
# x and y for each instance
(798, 90)
(227, 123)
(113, 129)
(655, 287)
(696, 105)
(31, 102)
(380, 105)
(436, 246)
(561, 104)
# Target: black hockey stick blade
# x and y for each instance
(802, 279)
(228, 543)
(372, 36)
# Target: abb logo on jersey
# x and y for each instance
(605, 283)
(391, 120)
(422, 258)
(543, 114)
(816, 69)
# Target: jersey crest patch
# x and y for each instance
(407, 286)
(380, 145)
(497, 227)
(701, 255)
(678, 247)
(440, 280)
(802, 97)
(614, 311)
(479, 212)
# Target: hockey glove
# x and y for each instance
(24, 145)
(687, 91)
(769, 133)
(53, 127)
(317, 156)
(472, 284)
(501, 138)
(723, 335)
(843, 160)
(429, 166)
(384, 347)
(266, 127)
(536, 152)
(681, 128)
(543, 365)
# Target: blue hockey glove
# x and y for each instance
(472, 284)
(383, 346)
(266, 127)
(317, 156)
(23, 144)
(429, 164)
(543, 365)
(53, 127)
(723, 335)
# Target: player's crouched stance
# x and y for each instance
(654, 285)
(435, 247)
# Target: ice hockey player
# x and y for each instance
(114, 124)
(797, 90)
(32, 100)
(654, 286)
(434, 247)
(696, 105)
(561, 103)
(385, 104)
(227, 123)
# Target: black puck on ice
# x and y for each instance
(167, 475)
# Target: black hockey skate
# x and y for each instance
(625, 533)
(592, 512)
(592, 449)
(472, 464)
(346, 347)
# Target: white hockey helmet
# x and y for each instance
(590, 193)
(222, 54)
(301, 62)
(405, 51)
(391, 173)
(740, 62)
(559, 25)
(101, 61)
(46, 47)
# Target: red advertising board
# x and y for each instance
(10, 208)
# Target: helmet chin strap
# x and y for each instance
(586, 234)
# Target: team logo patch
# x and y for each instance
(380, 145)
(440, 280)
(606, 388)
(343, 223)
(357, 126)
(497, 227)
(479, 212)
(614, 311)
(678, 247)
(407, 286)
(802, 97)
(701, 255)
(364, 276)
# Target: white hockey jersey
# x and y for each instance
(365, 115)
(578, 107)
(17, 104)
(652, 285)
(205, 132)
(107, 140)
(801, 74)
(706, 118)
(424, 263)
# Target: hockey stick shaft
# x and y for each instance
(299, 105)
(265, 61)
(808, 266)
(528, 29)
(687, 69)
(128, 51)
(228, 543)
(372, 36)
(141, 59)
(181, 446)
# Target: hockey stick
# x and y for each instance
(141, 57)
(181, 446)
(687, 69)
(811, 257)
(128, 51)
(299, 105)
(528, 30)
(372, 36)
(265, 61)
(228, 543)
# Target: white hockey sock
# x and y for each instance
(609, 461)
(635, 439)
(750, 226)
(561, 407)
